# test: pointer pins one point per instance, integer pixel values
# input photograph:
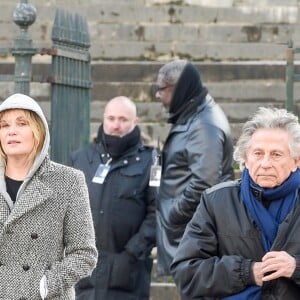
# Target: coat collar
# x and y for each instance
(32, 193)
(97, 154)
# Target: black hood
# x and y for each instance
(188, 87)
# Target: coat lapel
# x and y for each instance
(35, 193)
(4, 210)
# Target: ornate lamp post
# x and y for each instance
(70, 80)
(24, 15)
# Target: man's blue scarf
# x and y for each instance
(282, 200)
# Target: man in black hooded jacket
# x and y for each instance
(196, 155)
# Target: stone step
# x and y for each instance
(163, 291)
(194, 49)
(146, 72)
(266, 3)
(250, 90)
(172, 13)
(198, 50)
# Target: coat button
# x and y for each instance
(101, 212)
(25, 267)
(125, 162)
(34, 235)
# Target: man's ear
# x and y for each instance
(297, 162)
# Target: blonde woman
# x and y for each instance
(47, 238)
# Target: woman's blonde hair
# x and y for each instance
(38, 130)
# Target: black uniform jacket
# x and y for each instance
(123, 210)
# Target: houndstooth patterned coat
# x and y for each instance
(48, 230)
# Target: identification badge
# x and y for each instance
(155, 175)
(101, 173)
